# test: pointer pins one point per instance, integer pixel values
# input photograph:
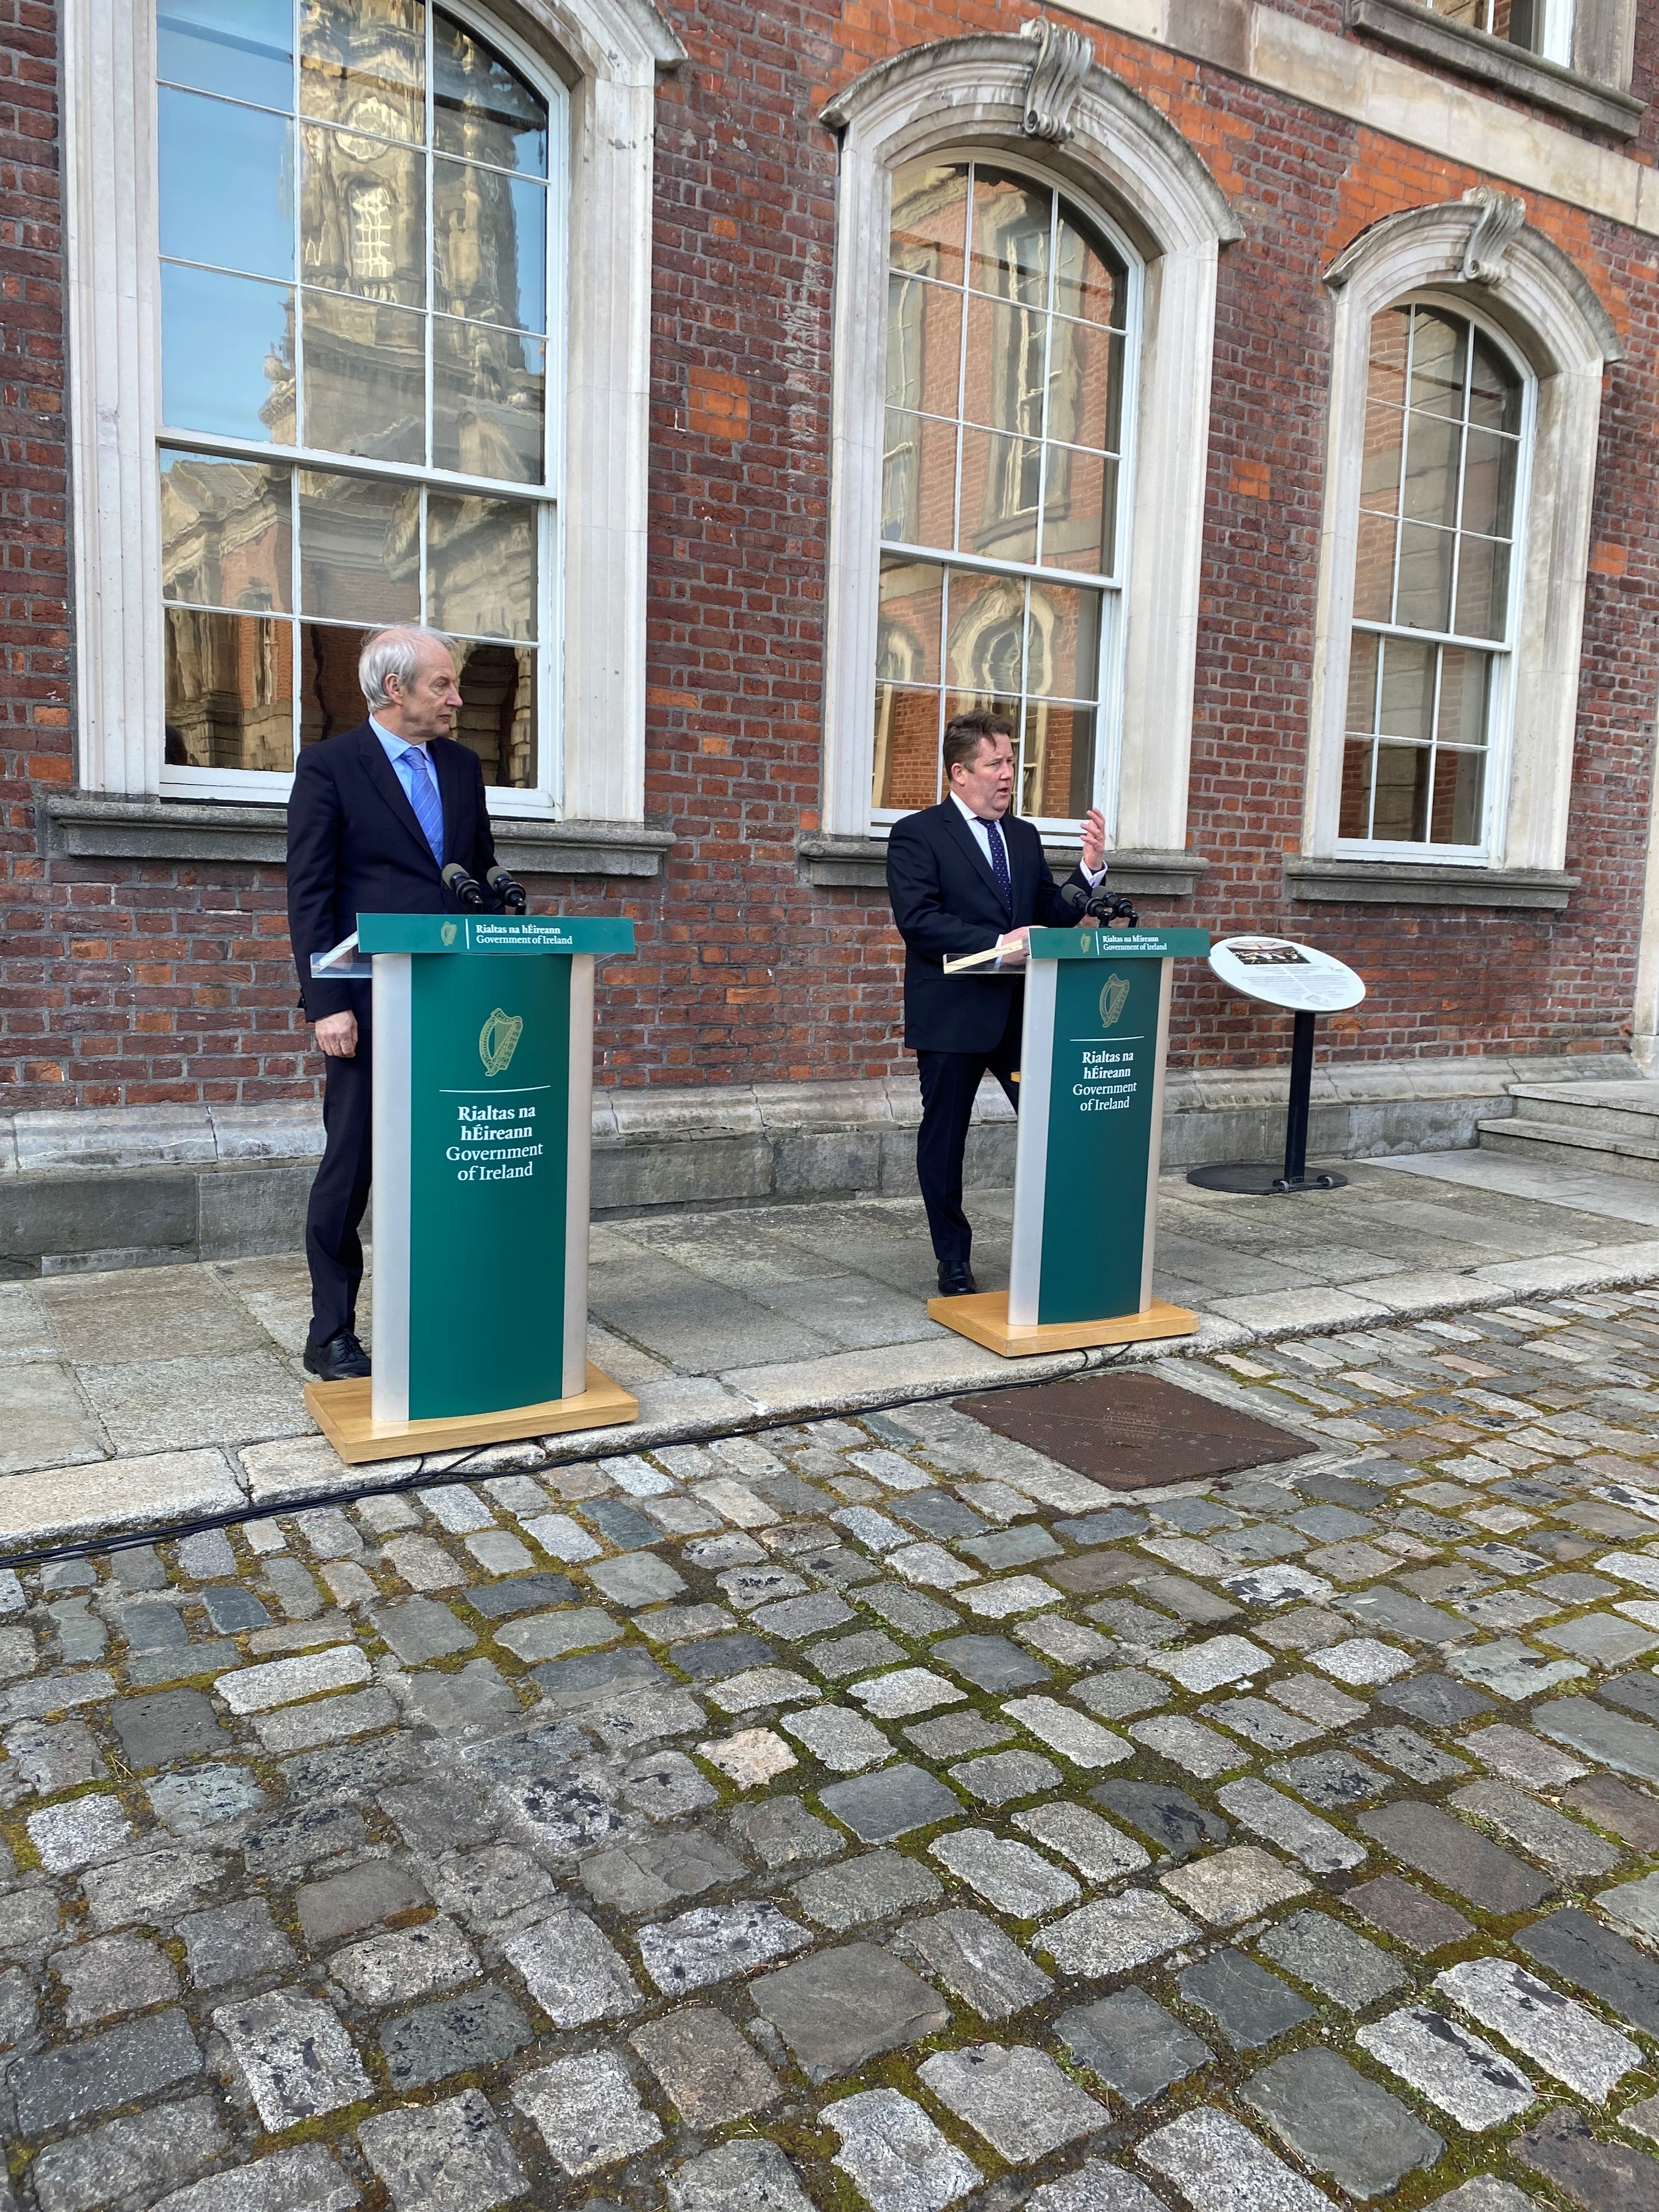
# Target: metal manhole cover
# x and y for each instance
(1132, 1432)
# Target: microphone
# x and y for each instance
(514, 898)
(1099, 905)
(467, 889)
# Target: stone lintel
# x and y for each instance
(83, 826)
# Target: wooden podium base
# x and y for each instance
(984, 1318)
(342, 1412)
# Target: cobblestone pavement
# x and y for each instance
(873, 1812)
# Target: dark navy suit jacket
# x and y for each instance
(946, 903)
(355, 846)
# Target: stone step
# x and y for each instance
(1630, 1109)
(1604, 1152)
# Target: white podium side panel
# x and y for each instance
(578, 1173)
(392, 993)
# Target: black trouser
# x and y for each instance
(339, 1196)
(950, 1081)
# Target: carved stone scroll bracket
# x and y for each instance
(1063, 59)
(1497, 220)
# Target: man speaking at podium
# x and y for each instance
(962, 877)
(387, 818)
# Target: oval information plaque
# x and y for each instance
(1282, 972)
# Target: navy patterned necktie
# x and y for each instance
(999, 860)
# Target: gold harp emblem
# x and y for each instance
(498, 1040)
(1113, 999)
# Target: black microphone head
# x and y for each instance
(1074, 894)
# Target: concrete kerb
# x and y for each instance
(65, 1521)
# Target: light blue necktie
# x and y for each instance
(423, 796)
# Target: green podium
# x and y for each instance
(1085, 1166)
(483, 1080)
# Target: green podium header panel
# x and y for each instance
(1120, 943)
(491, 932)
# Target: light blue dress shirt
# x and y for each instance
(982, 837)
(398, 751)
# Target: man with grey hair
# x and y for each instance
(376, 816)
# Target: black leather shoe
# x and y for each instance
(342, 1359)
(956, 1279)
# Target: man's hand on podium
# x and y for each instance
(1015, 947)
(336, 1036)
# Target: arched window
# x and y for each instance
(357, 231)
(1436, 597)
(1466, 359)
(1025, 308)
(1002, 480)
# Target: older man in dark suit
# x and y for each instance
(962, 877)
(376, 816)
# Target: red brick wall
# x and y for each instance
(138, 984)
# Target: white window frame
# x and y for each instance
(1479, 259)
(1555, 41)
(545, 797)
(607, 53)
(1500, 701)
(1131, 171)
(1113, 589)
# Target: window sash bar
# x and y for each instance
(351, 465)
(1494, 644)
(301, 618)
(986, 567)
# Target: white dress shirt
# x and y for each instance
(981, 835)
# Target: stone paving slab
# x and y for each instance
(100, 1435)
(382, 1852)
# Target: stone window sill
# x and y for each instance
(83, 827)
(861, 863)
(1426, 883)
(1437, 39)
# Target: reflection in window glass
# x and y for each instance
(1007, 362)
(330, 700)
(347, 289)
(227, 533)
(226, 184)
(482, 108)
(363, 63)
(227, 354)
(1432, 608)
(480, 566)
(363, 216)
(490, 245)
(360, 548)
(489, 390)
(365, 378)
(243, 48)
(498, 709)
(229, 690)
